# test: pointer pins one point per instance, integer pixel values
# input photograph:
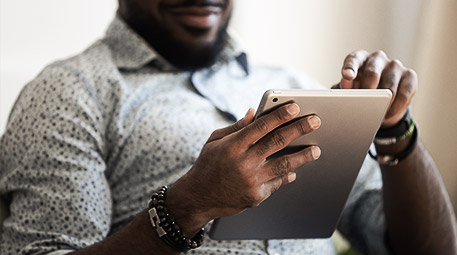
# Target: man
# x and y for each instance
(92, 137)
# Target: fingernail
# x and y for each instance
(349, 73)
(316, 152)
(291, 176)
(292, 109)
(314, 122)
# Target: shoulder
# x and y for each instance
(76, 82)
(95, 62)
(82, 76)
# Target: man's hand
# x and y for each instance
(362, 70)
(419, 216)
(233, 171)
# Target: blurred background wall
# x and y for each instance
(308, 35)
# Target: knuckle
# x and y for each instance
(251, 183)
(352, 54)
(281, 115)
(359, 53)
(402, 97)
(390, 78)
(236, 126)
(408, 87)
(410, 73)
(255, 198)
(302, 127)
(354, 57)
(396, 64)
(349, 60)
(261, 125)
(284, 181)
(370, 72)
(380, 53)
(281, 167)
(240, 136)
(308, 157)
(262, 149)
(279, 140)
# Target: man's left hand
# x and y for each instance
(362, 70)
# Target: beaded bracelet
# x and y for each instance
(393, 160)
(393, 140)
(166, 227)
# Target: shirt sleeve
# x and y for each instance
(363, 220)
(52, 167)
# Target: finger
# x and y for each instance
(352, 63)
(268, 122)
(220, 133)
(280, 138)
(274, 184)
(347, 84)
(371, 73)
(282, 165)
(390, 78)
(405, 93)
(337, 86)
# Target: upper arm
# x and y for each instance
(52, 161)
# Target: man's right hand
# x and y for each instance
(233, 173)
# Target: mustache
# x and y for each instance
(201, 3)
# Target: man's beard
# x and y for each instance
(185, 56)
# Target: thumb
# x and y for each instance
(222, 132)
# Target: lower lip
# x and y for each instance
(198, 21)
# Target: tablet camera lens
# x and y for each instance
(275, 100)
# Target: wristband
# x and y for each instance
(166, 227)
(400, 128)
(394, 140)
(393, 160)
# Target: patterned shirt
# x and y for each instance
(92, 137)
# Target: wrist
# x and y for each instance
(186, 209)
(392, 154)
(163, 221)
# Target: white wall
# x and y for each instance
(436, 102)
(315, 36)
(36, 33)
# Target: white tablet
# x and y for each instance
(311, 206)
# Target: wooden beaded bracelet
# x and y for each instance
(166, 227)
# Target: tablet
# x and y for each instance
(310, 206)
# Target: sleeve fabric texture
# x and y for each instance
(52, 159)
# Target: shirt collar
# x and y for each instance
(131, 51)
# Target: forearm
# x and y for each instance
(138, 237)
(419, 215)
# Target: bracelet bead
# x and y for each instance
(166, 227)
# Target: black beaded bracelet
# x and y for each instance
(166, 227)
(393, 160)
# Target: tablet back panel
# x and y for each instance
(311, 206)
